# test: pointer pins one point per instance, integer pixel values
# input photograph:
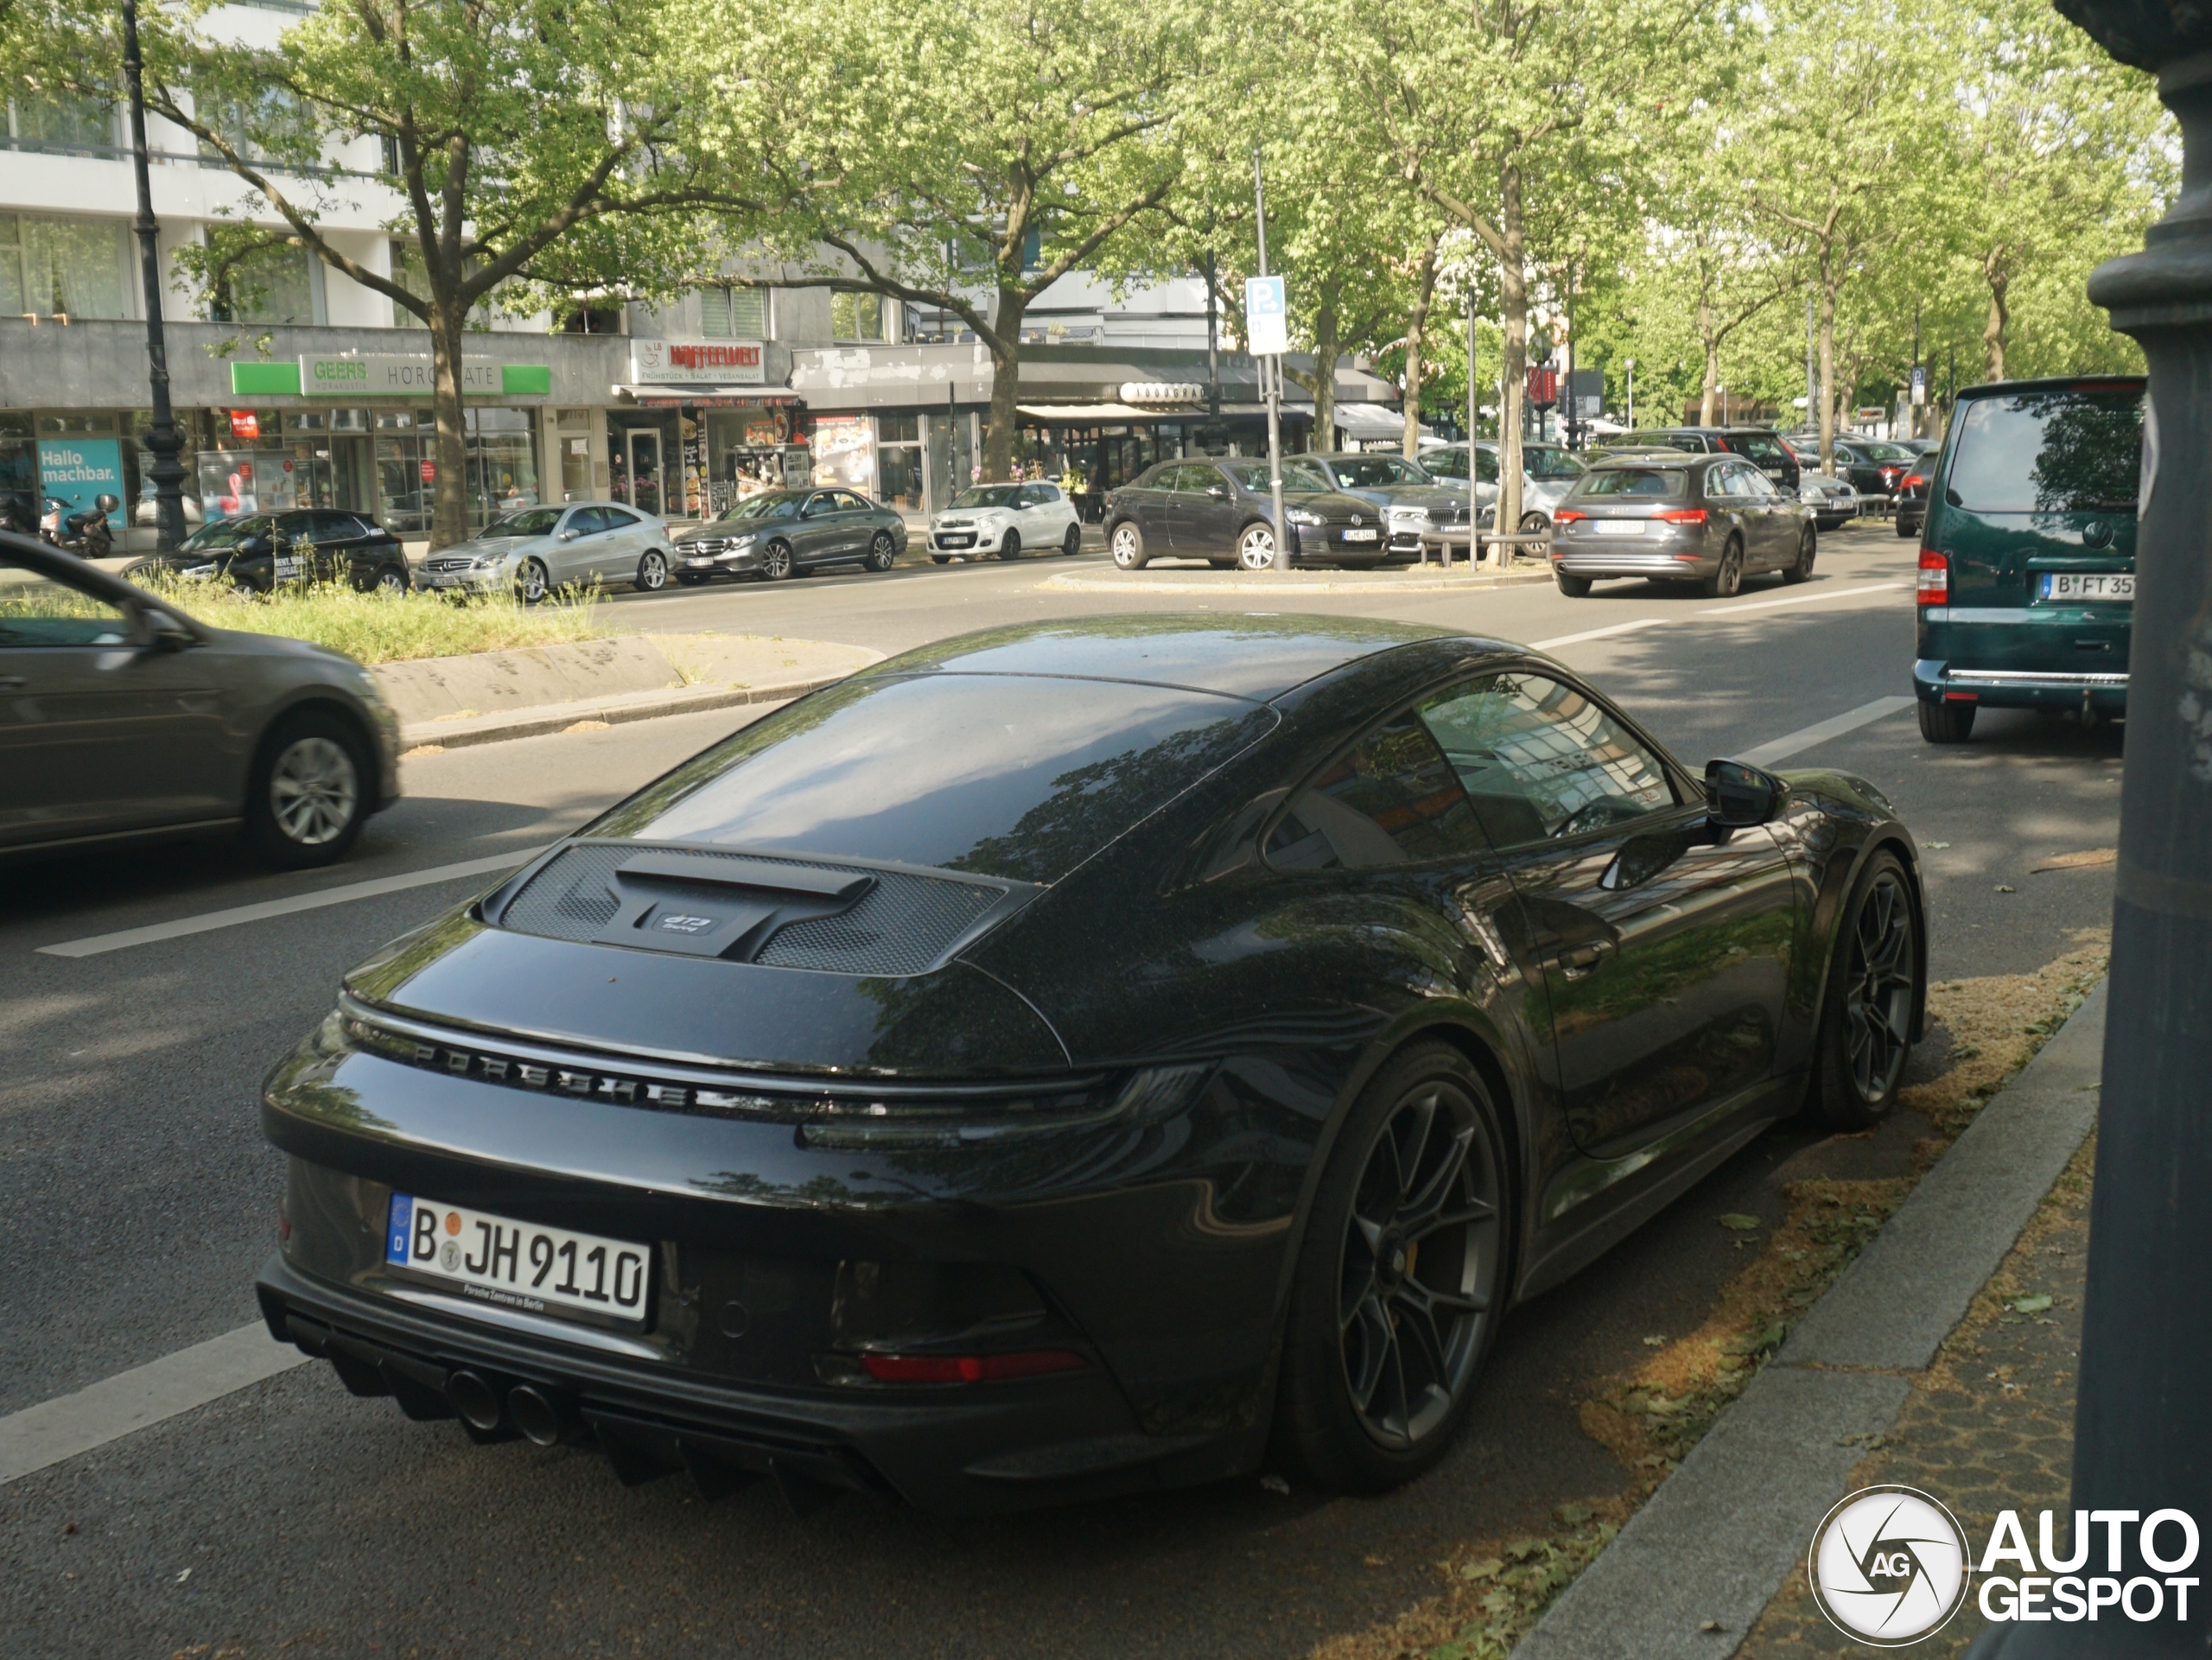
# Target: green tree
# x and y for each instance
(524, 143)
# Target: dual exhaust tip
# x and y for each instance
(541, 1417)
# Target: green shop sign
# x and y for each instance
(380, 375)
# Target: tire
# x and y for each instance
(1908, 526)
(1575, 588)
(1808, 550)
(1126, 543)
(1011, 548)
(880, 553)
(1071, 544)
(1727, 582)
(143, 573)
(1946, 722)
(1255, 546)
(1222, 564)
(1874, 987)
(653, 571)
(776, 562)
(1371, 1401)
(390, 578)
(531, 584)
(1534, 523)
(940, 558)
(309, 795)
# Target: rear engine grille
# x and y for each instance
(906, 923)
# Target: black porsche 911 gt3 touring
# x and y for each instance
(1078, 1059)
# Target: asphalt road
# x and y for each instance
(289, 1517)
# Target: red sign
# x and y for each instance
(1543, 385)
(430, 472)
(714, 356)
(245, 423)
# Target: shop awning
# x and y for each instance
(1088, 412)
(1370, 420)
(668, 398)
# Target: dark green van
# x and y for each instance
(2027, 562)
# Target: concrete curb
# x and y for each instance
(615, 711)
(1287, 585)
(1720, 1536)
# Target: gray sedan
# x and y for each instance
(779, 531)
(541, 550)
(1710, 520)
(122, 718)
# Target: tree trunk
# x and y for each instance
(1323, 388)
(1711, 346)
(1513, 283)
(1992, 333)
(1416, 331)
(449, 515)
(1006, 384)
(1827, 363)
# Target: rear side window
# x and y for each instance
(1393, 801)
(1767, 452)
(1552, 464)
(1667, 483)
(1541, 760)
(2050, 452)
(1002, 775)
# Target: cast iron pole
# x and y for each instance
(2143, 1412)
(162, 438)
(1274, 382)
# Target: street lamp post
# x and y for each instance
(2143, 1416)
(1281, 561)
(1632, 392)
(162, 438)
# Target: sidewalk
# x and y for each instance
(1943, 1358)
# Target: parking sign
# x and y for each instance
(1264, 318)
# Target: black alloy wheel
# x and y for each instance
(1401, 1278)
(1808, 548)
(309, 795)
(1727, 582)
(880, 553)
(1071, 544)
(1873, 985)
(1946, 722)
(653, 571)
(531, 584)
(1575, 588)
(1011, 548)
(776, 562)
(1126, 543)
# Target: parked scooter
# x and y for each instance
(87, 534)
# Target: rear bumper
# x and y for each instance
(1936, 681)
(1664, 566)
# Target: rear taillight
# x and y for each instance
(1568, 517)
(1912, 482)
(1682, 516)
(968, 1368)
(1935, 585)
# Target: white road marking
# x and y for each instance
(209, 921)
(109, 1409)
(1865, 715)
(1720, 612)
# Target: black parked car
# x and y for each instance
(1763, 448)
(258, 550)
(1221, 511)
(1074, 1059)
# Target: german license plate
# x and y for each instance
(510, 1265)
(1618, 526)
(1361, 536)
(955, 541)
(2088, 585)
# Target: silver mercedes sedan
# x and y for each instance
(1708, 521)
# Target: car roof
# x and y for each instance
(1254, 655)
(2056, 383)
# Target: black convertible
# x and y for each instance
(1078, 1059)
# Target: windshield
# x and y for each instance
(1889, 452)
(539, 521)
(1024, 776)
(1253, 475)
(1304, 476)
(226, 533)
(1667, 483)
(1448, 463)
(2071, 451)
(777, 503)
(1551, 464)
(988, 495)
(1376, 471)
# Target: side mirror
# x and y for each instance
(570, 534)
(163, 633)
(1740, 795)
(106, 504)
(1219, 492)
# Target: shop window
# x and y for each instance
(55, 267)
(59, 121)
(733, 313)
(898, 460)
(856, 317)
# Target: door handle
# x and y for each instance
(1582, 960)
(12, 682)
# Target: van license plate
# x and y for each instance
(2088, 585)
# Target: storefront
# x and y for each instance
(1089, 449)
(701, 423)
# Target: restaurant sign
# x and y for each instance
(718, 363)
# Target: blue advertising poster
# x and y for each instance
(78, 469)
